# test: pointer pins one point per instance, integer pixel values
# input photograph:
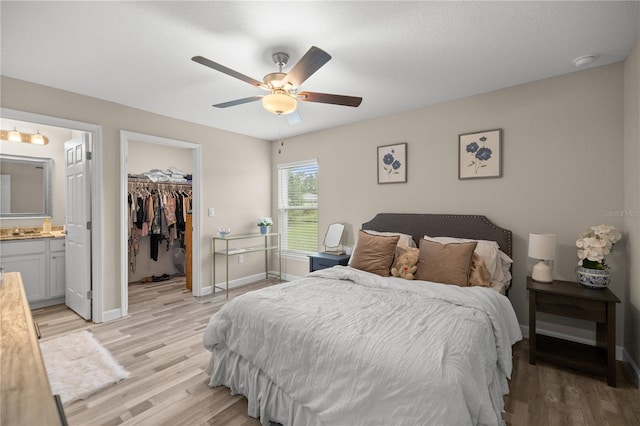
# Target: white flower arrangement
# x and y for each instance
(264, 221)
(596, 243)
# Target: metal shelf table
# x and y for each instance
(270, 242)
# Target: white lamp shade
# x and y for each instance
(542, 246)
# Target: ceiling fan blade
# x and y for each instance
(327, 98)
(311, 62)
(294, 117)
(238, 102)
(216, 66)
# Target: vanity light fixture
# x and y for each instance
(16, 136)
(38, 139)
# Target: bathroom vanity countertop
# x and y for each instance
(30, 233)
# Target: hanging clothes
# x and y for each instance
(157, 211)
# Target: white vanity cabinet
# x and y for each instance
(30, 259)
(41, 262)
(56, 268)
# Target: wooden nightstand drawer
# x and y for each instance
(571, 307)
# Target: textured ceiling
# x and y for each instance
(397, 56)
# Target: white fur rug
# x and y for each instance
(78, 365)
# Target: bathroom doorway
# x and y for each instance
(63, 130)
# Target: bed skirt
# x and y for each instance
(265, 399)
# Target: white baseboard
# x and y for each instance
(632, 367)
(111, 315)
(238, 282)
(525, 333)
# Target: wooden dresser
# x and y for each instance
(25, 394)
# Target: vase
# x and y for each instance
(264, 230)
(593, 278)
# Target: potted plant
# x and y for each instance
(594, 245)
(264, 223)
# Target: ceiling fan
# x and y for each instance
(283, 87)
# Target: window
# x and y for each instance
(298, 207)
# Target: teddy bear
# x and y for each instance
(405, 262)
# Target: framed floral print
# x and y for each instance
(480, 154)
(392, 163)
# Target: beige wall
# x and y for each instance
(563, 170)
(142, 157)
(632, 201)
(236, 169)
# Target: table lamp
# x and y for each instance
(542, 247)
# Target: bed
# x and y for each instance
(344, 346)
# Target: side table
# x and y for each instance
(266, 243)
(326, 260)
(570, 299)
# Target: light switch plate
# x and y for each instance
(211, 212)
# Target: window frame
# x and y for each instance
(283, 229)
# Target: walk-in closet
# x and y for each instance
(159, 200)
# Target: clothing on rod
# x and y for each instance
(157, 211)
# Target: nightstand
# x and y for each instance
(326, 260)
(570, 299)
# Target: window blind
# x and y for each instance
(298, 206)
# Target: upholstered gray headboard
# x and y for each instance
(476, 227)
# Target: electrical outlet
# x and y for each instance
(241, 258)
(211, 212)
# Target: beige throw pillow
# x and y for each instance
(374, 253)
(445, 263)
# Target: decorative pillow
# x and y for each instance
(503, 271)
(445, 263)
(374, 253)
(495, 260)
(478, 273)
(404, 264)
(404, 240)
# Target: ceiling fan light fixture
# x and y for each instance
(279, 102)
(274, 80)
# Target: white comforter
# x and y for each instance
(346, 347)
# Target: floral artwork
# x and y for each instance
(392, 163)
(479, 154)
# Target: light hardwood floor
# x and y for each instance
(160, 344)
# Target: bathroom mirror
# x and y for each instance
(25, 186)
(333, 239)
